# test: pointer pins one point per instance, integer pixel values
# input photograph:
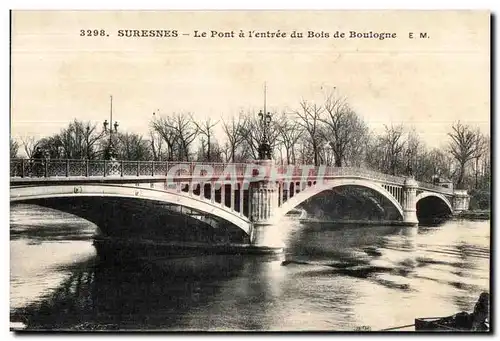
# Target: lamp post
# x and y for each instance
(409, 168)
(110, 152)
(87, 136)
(264, 149)
(264, 146)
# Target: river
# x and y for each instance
(331, 278)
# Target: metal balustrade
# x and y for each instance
(435, 188)
(50, 168)
(26, 168)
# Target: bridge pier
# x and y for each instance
(264, 235)
(461, 200)
(410, 202)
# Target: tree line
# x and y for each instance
(327, 133)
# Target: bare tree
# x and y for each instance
(52, 145)
(345, 130)
(201, 155)
(29, 144)
(304, 155)
(217, 153)
(234, 134)
(411, 157)
(374, 155)
(91, 139)
(394, 145)
(14, 148)
(309, 119)
(225, 151)
(462, 147)
(290, 132)
(206, 129)
(437, 162)
(78, 141)
(481, 146)
(186, 132)
(156, 145)
(132, 147)
(164, 126)
(356, 148)
(486, 166)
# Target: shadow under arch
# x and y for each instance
(95, 190)
(316, 189)
(141, 219)
(433, 208)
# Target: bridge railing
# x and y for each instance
(435, 188)
(102, 168)
(365, 173)
(297, 171)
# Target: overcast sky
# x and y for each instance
(426, 83)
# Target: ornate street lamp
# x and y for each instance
(110, 152)
(87, 137)
(409, 168)
(264, 146)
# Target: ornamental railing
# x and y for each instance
(41, 168)
(366, 173)
(434, 188)
(50, 168)
(329, 171)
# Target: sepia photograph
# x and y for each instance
(250, 171)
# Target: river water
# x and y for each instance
(331, 278)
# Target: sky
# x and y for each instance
(425, 83)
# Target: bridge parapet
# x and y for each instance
(434, 188)
(352, 171)
(57, 168)
(103, 168)
(95, 168)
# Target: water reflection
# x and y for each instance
(98, 296)
(330, 278)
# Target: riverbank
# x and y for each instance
(474, 215)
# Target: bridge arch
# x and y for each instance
(309, 192)
(27, 193)
(436, 195)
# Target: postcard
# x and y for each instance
(250, 171)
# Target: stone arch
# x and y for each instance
(432, 194)
(27, 193)
(330, 184)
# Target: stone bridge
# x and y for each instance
(253, 197)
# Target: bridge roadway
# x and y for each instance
(251, 196)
